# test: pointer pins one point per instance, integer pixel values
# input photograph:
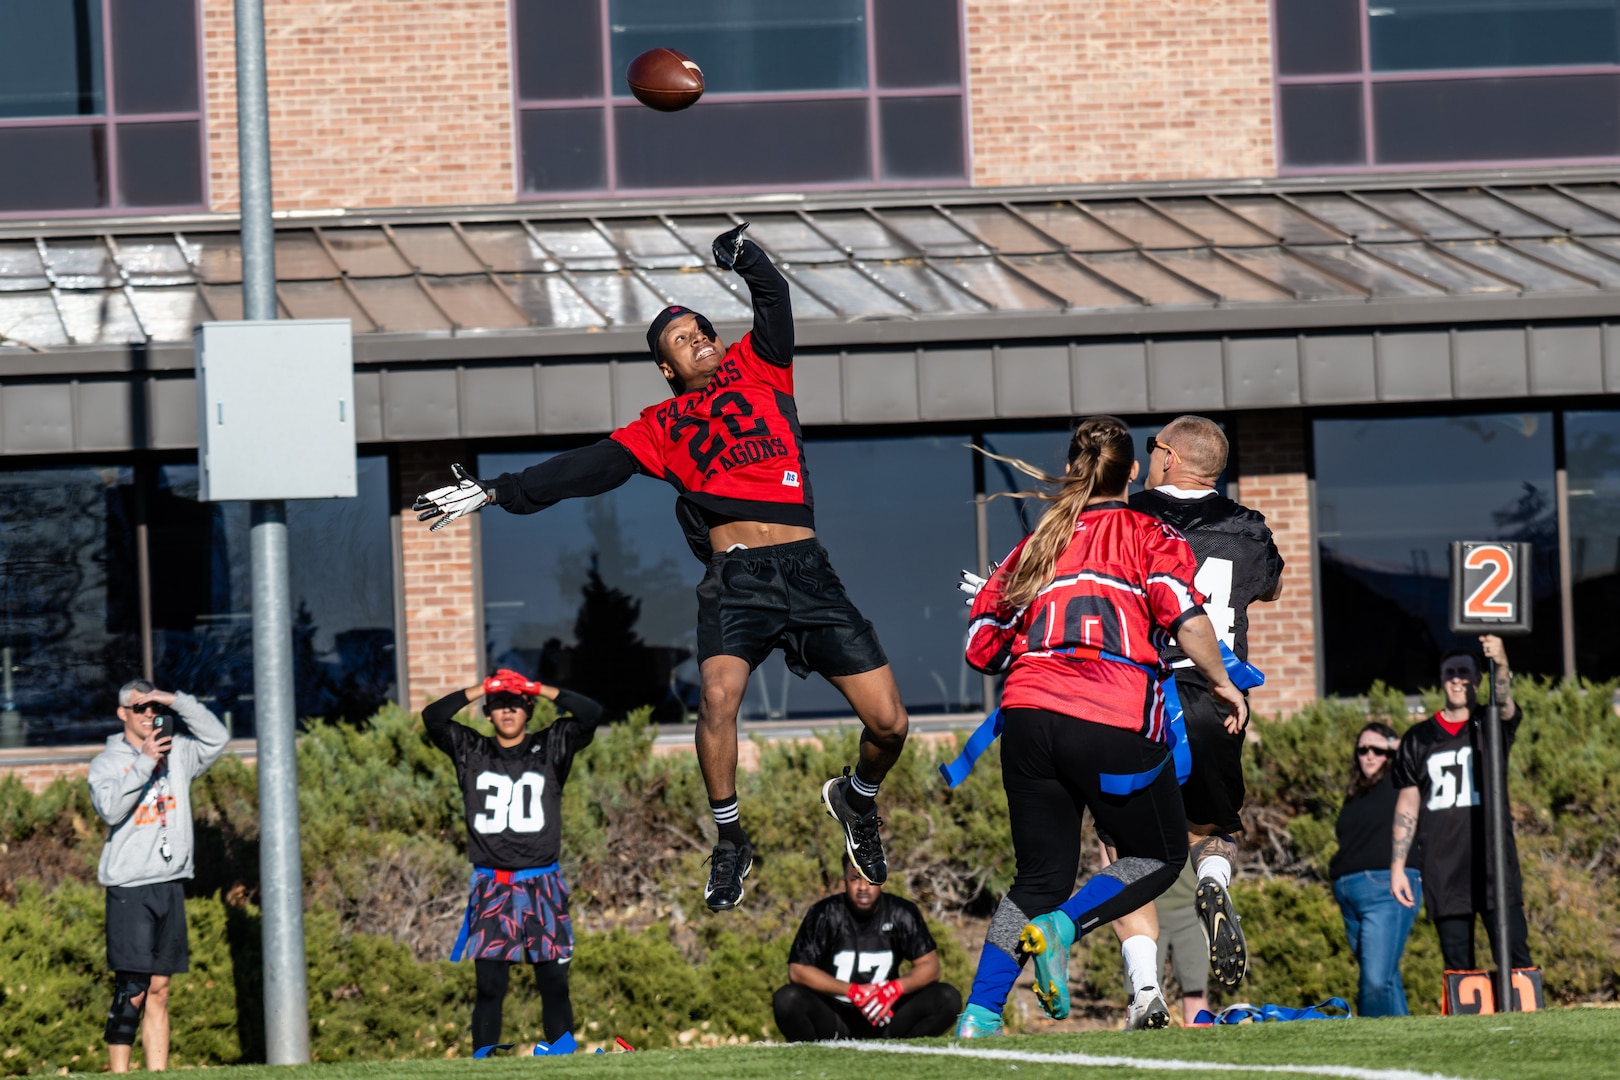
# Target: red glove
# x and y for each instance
(860, 993)
(878, 1008)
(508, 681)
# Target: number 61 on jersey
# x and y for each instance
(1490, 587)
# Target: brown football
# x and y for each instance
(665, 80)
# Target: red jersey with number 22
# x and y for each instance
(733, 447)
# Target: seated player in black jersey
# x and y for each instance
(511, 789)
(729, 443)
(842, 971)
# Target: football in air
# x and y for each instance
(665, 80)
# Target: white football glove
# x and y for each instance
(971, 583)
(458, 500)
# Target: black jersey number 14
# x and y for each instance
(706, 444)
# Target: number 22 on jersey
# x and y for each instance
(510, 804)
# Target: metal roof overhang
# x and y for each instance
(923, 305)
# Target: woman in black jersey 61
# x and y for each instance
(729, 443)
(511, 787)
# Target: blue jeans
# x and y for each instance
(1377, 925)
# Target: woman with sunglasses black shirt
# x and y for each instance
(1375, 922)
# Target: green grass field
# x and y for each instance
(1554, 1045)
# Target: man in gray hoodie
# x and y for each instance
(141, 786)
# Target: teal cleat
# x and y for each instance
(977, 1022)
(1048, 939)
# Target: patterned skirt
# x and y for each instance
(516, 920)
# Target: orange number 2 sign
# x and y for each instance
(1485, 601)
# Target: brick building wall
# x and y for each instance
(443, 608)
(373, 103)
(1075, 91)
(1272, 479)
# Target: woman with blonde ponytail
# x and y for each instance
(1075, 617)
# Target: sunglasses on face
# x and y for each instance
(1378, 750)
(1154, 444)
(150, 708)
(1457, 673)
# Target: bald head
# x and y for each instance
(1200, 443)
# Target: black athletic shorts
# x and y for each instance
(786, 596)
(146, 929)
(1214, 793)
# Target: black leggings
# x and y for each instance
(1051, 766)
(806, 1015)
(1457, 939)
(550, 979)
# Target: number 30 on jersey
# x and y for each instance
(510, 804)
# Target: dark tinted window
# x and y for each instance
(594, 594)
(1322, 125)
(1318, 37)
(50, 58)
(559, 49)
(748, 46)
(776, 142)
(876, 499)
(918, 43)
(155, 56)
(340, 557)
(1418, 35)
(563, 150)
(160, 164)
(1592, 455)
(922, 138)
(69, 609)
(1489, 119)
(52, 168)
(1391, 494)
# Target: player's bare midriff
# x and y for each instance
(756, 534)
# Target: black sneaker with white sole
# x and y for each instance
(861, 838)
(1223, 930)
(729, 863)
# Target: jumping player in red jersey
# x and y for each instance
(729, 442)
(1077, 616)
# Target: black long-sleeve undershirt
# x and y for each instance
(438, 716)
(605, 465)
(773, 309)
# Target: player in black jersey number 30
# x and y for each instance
(511, 785)
(729, 442)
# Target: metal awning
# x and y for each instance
(951, 306)
(585, 278)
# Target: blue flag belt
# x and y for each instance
(1245, 1013)
(1243, 675)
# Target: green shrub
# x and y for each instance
(384, 856)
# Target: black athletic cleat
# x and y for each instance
(1223, 930)
(728, 864)
(861, 838)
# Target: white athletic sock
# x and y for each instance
(1141, 955)
(1216, 867)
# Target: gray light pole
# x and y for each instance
(281, 873)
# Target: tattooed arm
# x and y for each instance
(1406, 815)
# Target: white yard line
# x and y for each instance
(1348, 1072)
